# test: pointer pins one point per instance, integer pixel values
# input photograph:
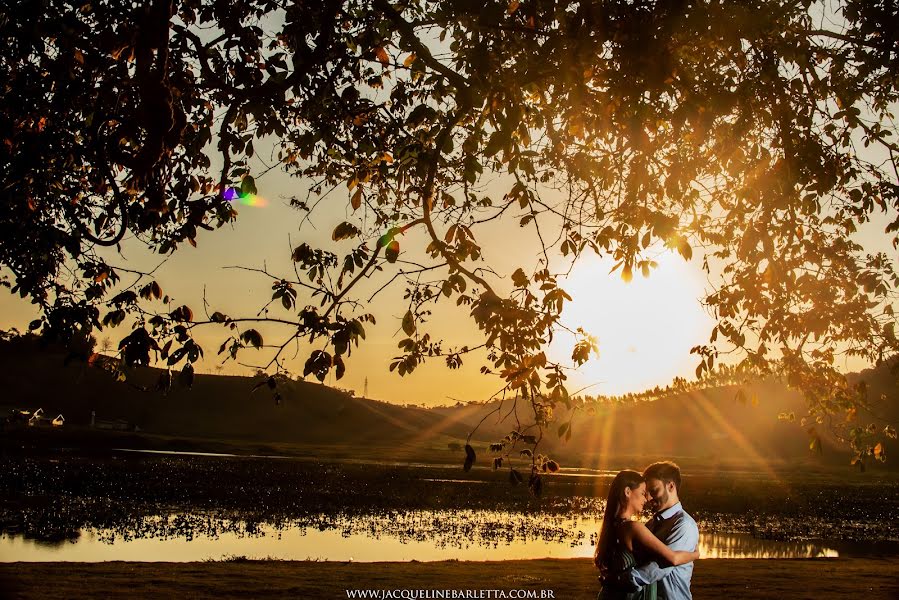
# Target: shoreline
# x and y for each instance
(566, 578)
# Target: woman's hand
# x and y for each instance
(645, 538)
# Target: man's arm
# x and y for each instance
(683, 536)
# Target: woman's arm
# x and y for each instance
(645, 538)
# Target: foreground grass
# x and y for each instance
(572, 578)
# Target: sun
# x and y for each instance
(645, 327)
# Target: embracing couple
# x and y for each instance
(651, 561)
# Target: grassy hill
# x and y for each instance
(216, 407)
(709, 427)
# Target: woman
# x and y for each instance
(625, 543)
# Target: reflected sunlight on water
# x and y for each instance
(420, 535)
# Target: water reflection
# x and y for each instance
(395, 536)
(724, 545)
(89, 508)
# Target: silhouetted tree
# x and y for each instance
(616, 126)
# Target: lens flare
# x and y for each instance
(253, 200)
(234, 195)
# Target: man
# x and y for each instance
(672, 525)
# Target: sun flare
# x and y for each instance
(645, 327)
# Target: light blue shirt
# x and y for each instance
(673, 582)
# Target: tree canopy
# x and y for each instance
(756, 135)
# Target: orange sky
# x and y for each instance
(645, 328)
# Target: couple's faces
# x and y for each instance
(638, 497)
(657, 493)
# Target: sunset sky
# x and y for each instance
(645, 328)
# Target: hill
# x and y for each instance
(215, 407)
(708, 427)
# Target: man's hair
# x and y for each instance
(665, 471)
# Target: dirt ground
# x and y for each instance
(572, 578)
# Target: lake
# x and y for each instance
(193, 507)
(422, 536)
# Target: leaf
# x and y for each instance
(815, 444)
(392, 251)
(879, 452)
(356, 200)
(248, 186)
(494, 144)
(182, 313)
(470, 457)
(176, 356)
(563, 428)
(519, 279)
(382, 56)
(318, 364)
(513, 6)
(683, 247)
(409, 60)
(345, 231)
(252, 337)
(186, 377)
(409, 323)
(116, 53)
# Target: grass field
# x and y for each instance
(575, 579)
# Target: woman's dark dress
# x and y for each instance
(621, 561)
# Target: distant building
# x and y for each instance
(36, 417)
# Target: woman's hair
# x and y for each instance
(626, 479)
